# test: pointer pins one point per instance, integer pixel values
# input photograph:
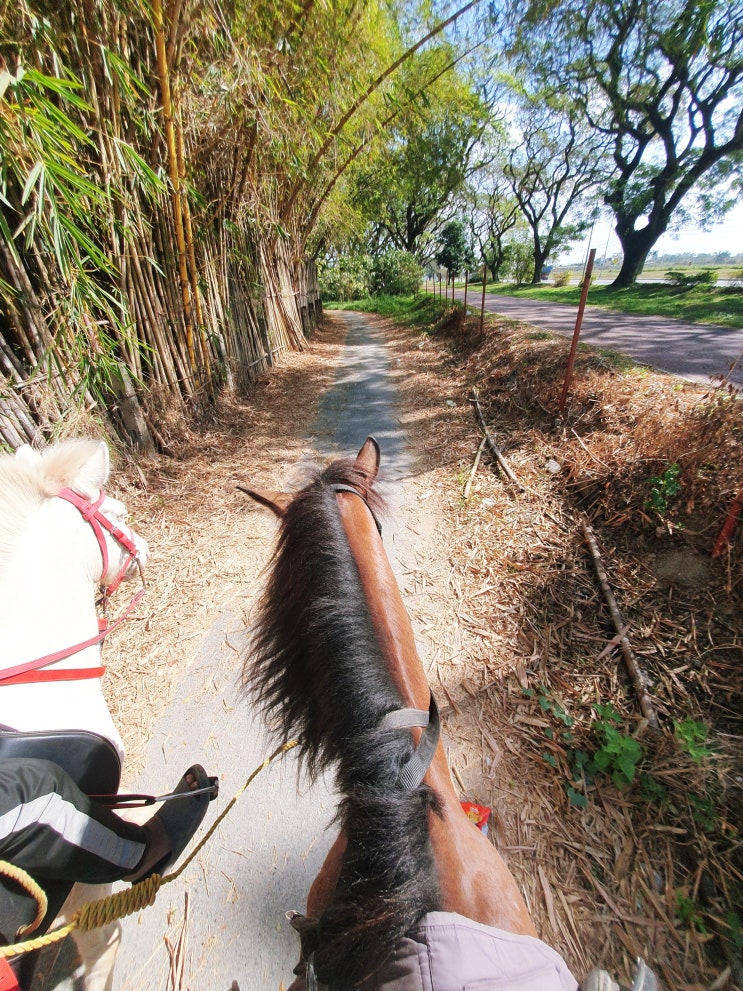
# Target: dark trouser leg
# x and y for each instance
(50, 829)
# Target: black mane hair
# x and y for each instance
(317, 672)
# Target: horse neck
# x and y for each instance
(47, 587)
(387, 611)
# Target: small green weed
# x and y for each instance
(688, 912)
(663, 490)
(704, 812)
(618, 754)
(691, 737)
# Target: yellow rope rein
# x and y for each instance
(92, 915)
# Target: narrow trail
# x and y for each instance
(229, 904)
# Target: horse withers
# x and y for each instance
(411, 894)
(60, 538)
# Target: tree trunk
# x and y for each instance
(636, 246)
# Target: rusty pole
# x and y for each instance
(466, 279)
(576, 332)
(482, 302)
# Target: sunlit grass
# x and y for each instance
(716, 305)
(415, 311)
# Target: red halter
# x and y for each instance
(29, 671)
(90, 512)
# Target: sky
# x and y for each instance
(727, 236)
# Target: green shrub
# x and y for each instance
(560, 279)
(396, 273)
(684, 280)
(348, 278)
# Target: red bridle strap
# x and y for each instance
(91, 513)
(23, 674)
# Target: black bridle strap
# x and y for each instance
(414, 770)
(341, 487)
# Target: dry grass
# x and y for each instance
(604, 882)
(503, 598)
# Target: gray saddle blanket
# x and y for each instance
(447, 952)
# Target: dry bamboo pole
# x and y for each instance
(576, 331)
(497, 453)
(637, 677)
(473, 470)
(169, 126)
(170, 300)
(146, 294)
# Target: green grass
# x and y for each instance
(717, 305)
(415, 311)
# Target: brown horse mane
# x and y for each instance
(316, 669)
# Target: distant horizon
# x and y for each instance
(726, 236)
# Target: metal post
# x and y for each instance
(576, 332)
(482, 302)
(466, 279)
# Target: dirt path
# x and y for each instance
(177, 670)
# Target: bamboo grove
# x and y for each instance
(165, 171)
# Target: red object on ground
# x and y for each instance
(479, 814)
(728, 526)
(8, 980)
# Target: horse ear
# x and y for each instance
(277, 502)
(368, 458)
(26, 455)
(93, 474)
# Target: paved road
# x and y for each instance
(262, 859)
(692, 350)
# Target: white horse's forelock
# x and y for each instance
(26, 482)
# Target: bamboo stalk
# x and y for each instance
(468, 483)
(169, 126)
(638, 677)
(492, 445)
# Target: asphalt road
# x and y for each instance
(264, 856)
(694, 351)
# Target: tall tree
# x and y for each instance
(406, 190)
(664, 81)
(554, 162)
(493, 212)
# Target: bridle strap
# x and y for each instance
(91, 513)
(414, 770)
(28, 672)
(342, 487)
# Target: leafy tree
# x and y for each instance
(406, 190)
(455, 252)
(518, 258)
(348, 278)
(664, 82)
(553, 163)
(494, 211)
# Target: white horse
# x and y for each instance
(60, 538)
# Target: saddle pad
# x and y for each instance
(447, 952)
(90, 760)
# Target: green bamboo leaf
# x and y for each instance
(31, 182)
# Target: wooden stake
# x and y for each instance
(638, 678)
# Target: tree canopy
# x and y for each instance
(664, 82)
